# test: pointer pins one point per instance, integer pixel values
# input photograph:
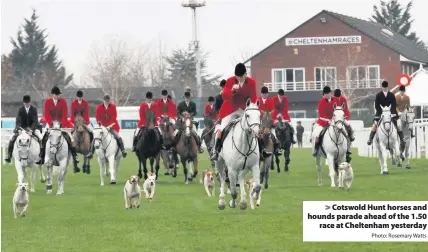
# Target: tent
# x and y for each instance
(418, 88)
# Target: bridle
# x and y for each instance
(338, 131)
(58, 145)
(102, 139)
(20, 145)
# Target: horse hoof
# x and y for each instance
(140, 175)
(221, 206)
(385, 173)
(145, 176)
(407, 166)
(138, 206)
(76, 170)
(43, 181)
(49, 192)
(257, 188)
(399, 165)
(190, 179)
(112, 182)
(243, 205)
(232, 204)
(59, 193)
(332, 186)
(186, 182)
(88, 171)
(166, 173)
(266, 186)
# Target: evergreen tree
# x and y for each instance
(35, 64)
(397, 18)
(182, 69)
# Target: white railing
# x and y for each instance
(318, 85)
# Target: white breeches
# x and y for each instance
(273, 132)
(317, 130)
(38, 134)
(89, 127)
(172, 120)
(225, 121)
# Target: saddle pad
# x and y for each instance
(228, 128)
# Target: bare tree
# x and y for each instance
(346, 69)
(159, 65)
(118, 69)
(241, 57)
(6, 72)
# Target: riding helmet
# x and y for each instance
(265, 90)
(79, 94)
(55, 90)
(187, 94)
(402, 88)
(337, 93)
(384, 84)
(326, 90)
(107, 98)
(240, 69)
(149, 95)
(222, 83)
(211, 99)
(281, 92)
(26, 99)
(164, 92)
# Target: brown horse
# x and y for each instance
(168, 157)
(266, 163)
(187, 148)
(82, 141)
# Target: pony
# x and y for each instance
(240, 154)
(333, 145)
(148, 146)
(387, 140)
(107, 153)
(406, 119)
(58, 155)
(26, 153)
(168, 157)
(283, 133)
(82, 141)
(187, 149)
(266, 163)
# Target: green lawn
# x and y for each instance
(89, 217)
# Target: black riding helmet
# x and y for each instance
(149, 95)
(26, 99)
(402, 88)
(281, 92)
(265, 90)
(326, 90)
(211, 99)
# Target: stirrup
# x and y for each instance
(90, 155)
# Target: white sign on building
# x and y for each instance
(337, 40)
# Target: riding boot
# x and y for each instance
(91, 150)
(43, 149)
(160, 139)
(72, 149)
(276, 150)
(316, 147)
(217, 148)
(8, 159)
(121, 147)
(372, 134)
(135, 139)
(198, 142)
(292, 137)
(402, 141)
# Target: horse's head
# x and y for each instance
(79, 122)
(55, 139)
(410, 116)
(100, 133)
(386, 117)
(338, 116)
(251, 118)
(188, 127)
(23, 138)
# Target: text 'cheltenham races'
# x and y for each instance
(365, 221)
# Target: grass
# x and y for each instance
(89, 217)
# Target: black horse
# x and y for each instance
(208, 137)
(283, 132)
(148, 146)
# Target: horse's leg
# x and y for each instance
(111, 165)
(140, 172)
(383, 155)
(262, 174)
(33, 178)
(61, 176)
(277, 160)
(49, 171)
(232, 179)
(241, 181)
(319, 169)
(144, 161)
(287, 158)
(152, 160)
(102, 170)
(195, 167)
(20, 172)
(157, 166)
(407, 153)
(184, 163)
(116, 167)
(330, 160)
(88, 166)
(42, 175)
(391, 152)
(222, 175)
(266, 173)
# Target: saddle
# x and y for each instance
(228, 128)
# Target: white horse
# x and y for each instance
(406, 119)
(57, 154)
(240, 153)
(26, 153)
(107, 153)
(387, 140)
(334, 145)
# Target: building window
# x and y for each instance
(325, 76)
(363, 76)
(289, 79)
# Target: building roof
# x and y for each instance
(397, 42)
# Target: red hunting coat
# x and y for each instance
(343, 100)
(58, 112)
(82, 108)
(169, 108)
(145, 108)
(234, 101)
(265, 106)
(107, 116)
(280, 107)
(210, 112)
(325, 110)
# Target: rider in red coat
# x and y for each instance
(148, 109)
(55, 109)
(280, 104)
(80, 106)
(209, 109)
(235, 94)
(266, 107)
(106, 115)
(166, 107)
